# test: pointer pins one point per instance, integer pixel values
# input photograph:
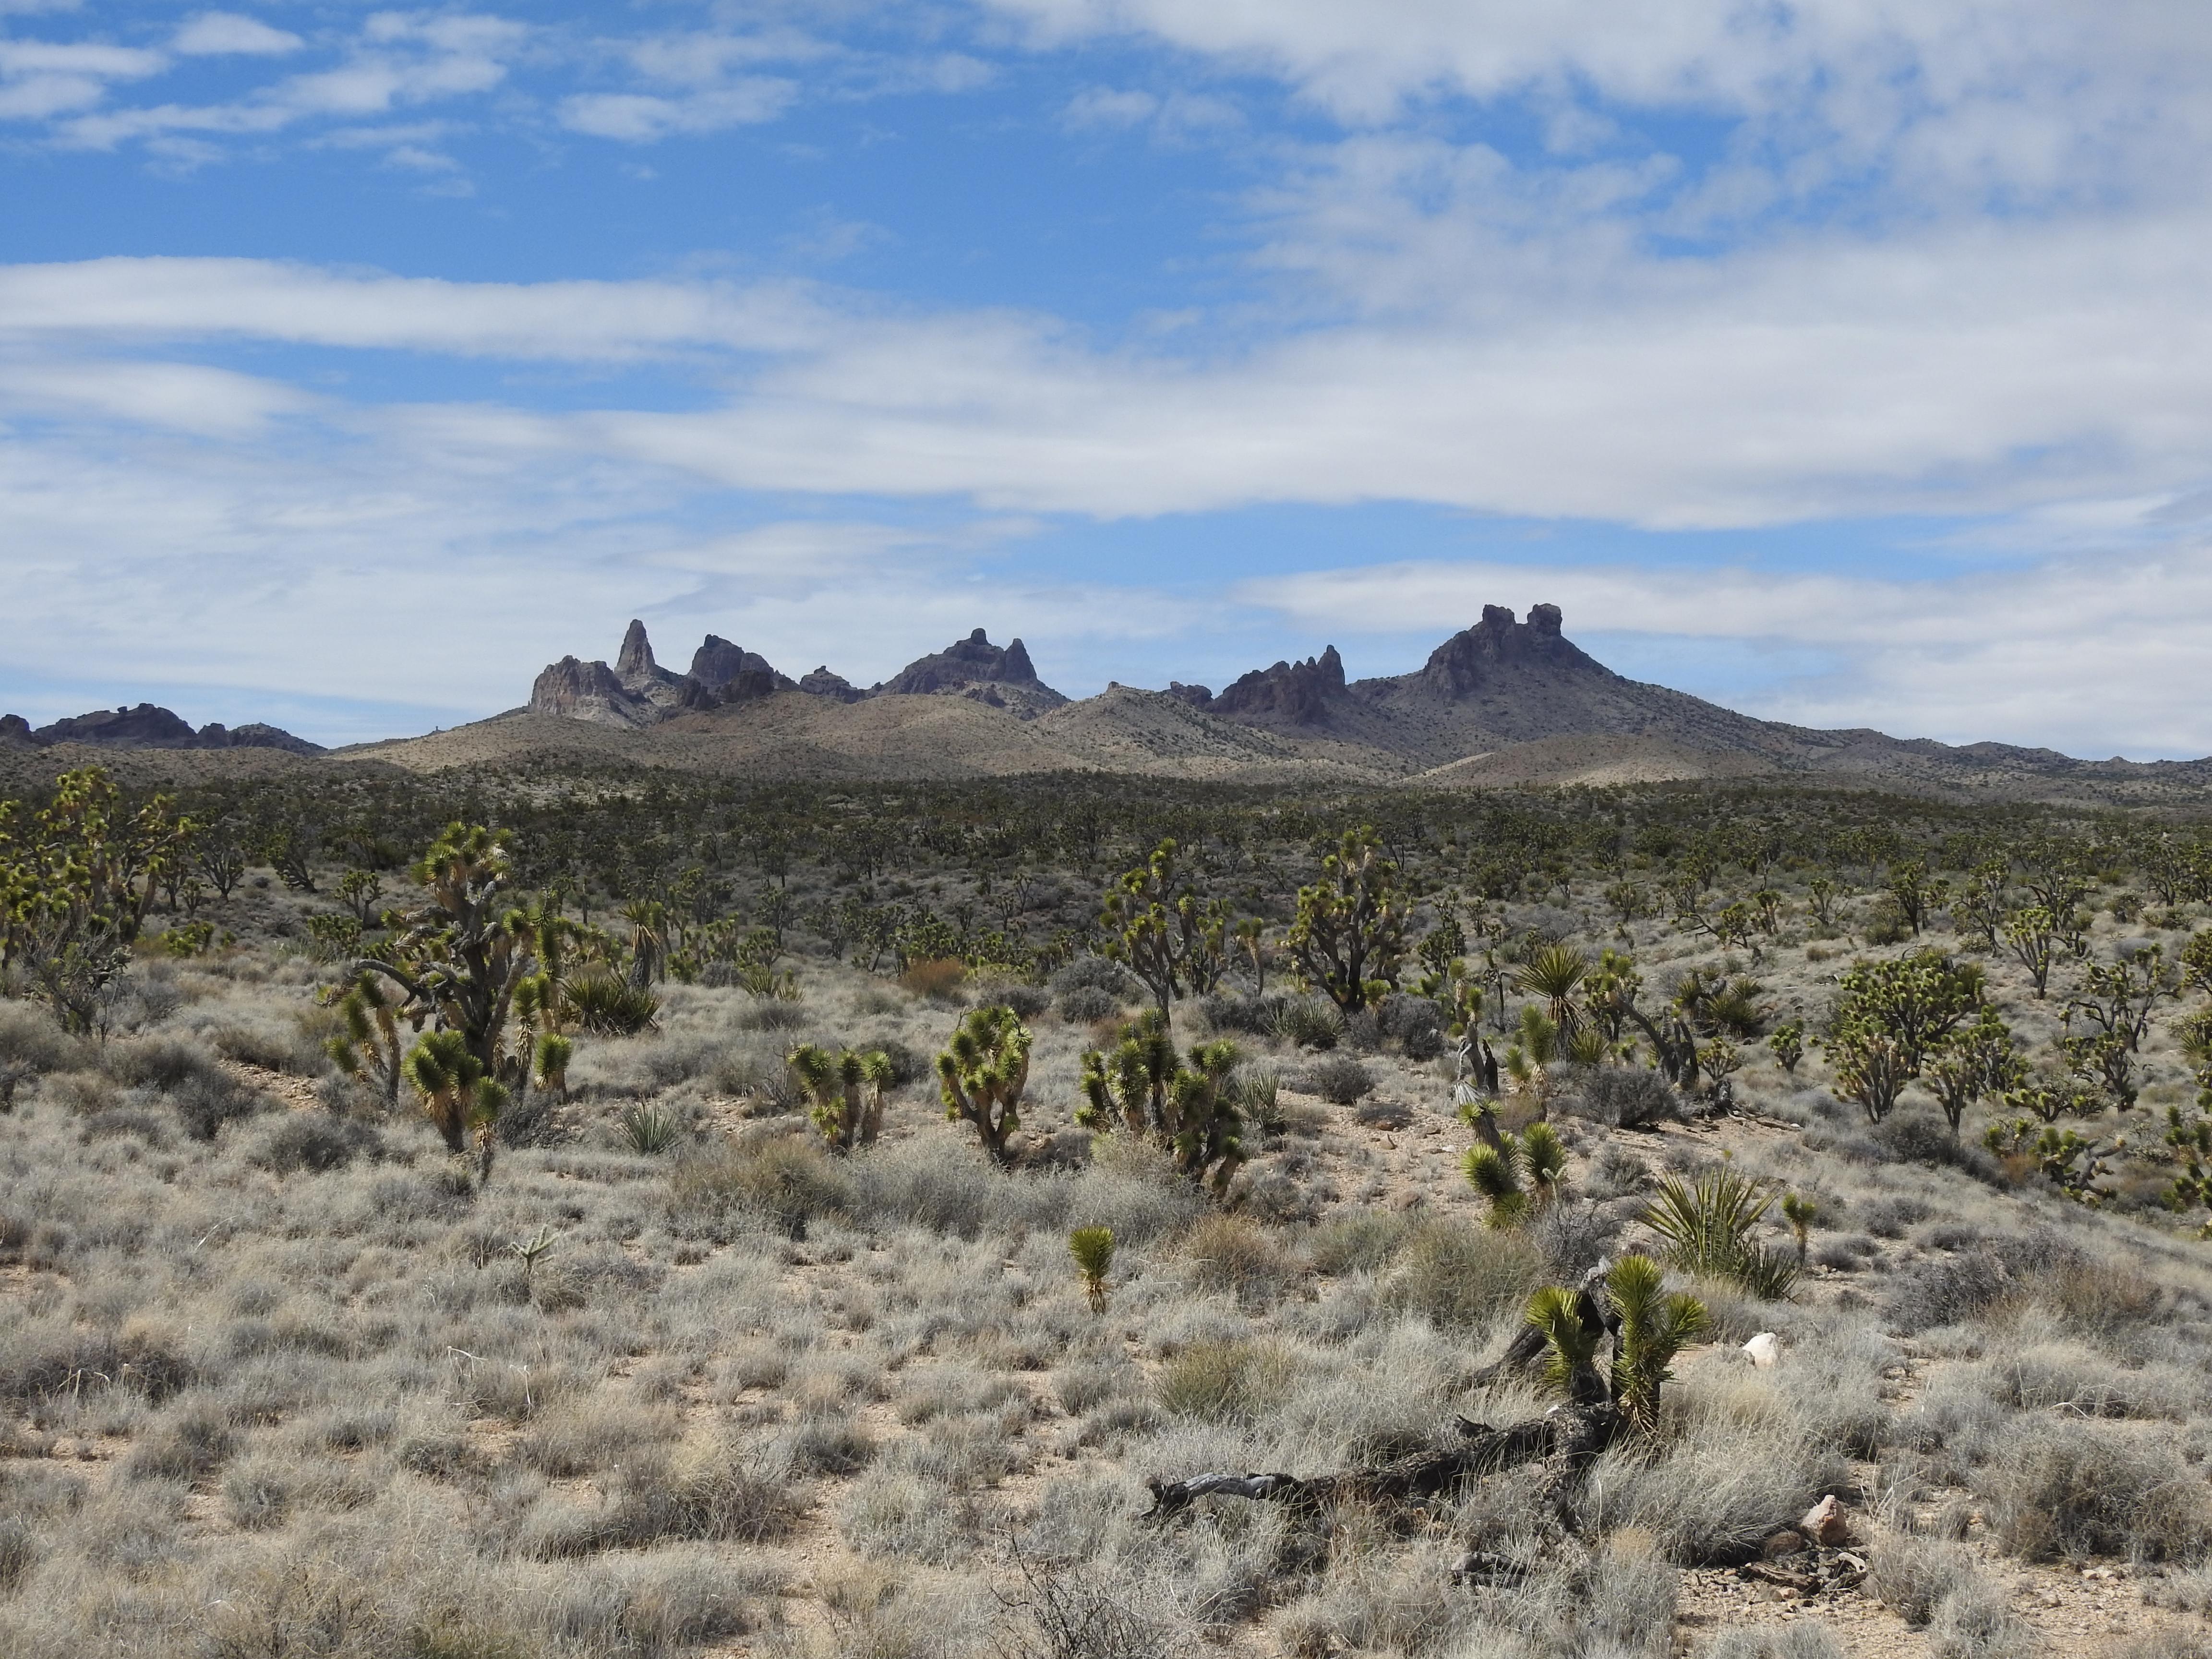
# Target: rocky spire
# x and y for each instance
(635, 665)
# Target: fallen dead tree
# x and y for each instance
(1568, 1438)
(1625, 1305)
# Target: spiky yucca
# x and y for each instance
(982, 1074)
(1128, 1089)
(1522, 1172)
(1557, 1314)
(1708, 1227)
(1146, 1088)
(1655, 1326)
(1093, 1249)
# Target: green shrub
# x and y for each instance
(605, 1005)
(650, 1130)
(1459, 1277)
(1708, 1226)
(784, 1181)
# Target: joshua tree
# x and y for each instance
(2032, 935)
(1892, 1017)
(1349, 935)
(1146, 1088)
(847, 1089)
(1974, 1062)
(1788, 1043)
(370, 1044)
(1523, 1173)
(982, 1074)
(359, 890)
(1162, 931)
(456, 1095)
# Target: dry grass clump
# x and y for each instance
(1461, 1277)
(1232, 1380)
(2059, 1489)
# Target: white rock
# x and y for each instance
(1764, 1349)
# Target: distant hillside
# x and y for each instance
(1502, 704)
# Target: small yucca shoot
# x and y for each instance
(1800, 1212)
(1496, 1174)
(1093, 1249)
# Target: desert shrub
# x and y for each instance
(1234, 1380)
(907, 1065)
(1911, 1576)
(1738, 1467)
(1233, 1254)
(1616, 1172)
(1627, 1098)
(1798, 1641)
(1256, 1090)
(35, 1043)
(1892, 1217)
(1947, 1291)
(783, 1182)
(1339, 1079)
(606, 1005)
(1921, 1138)
(189, 1447)
(1029, 1002)
(317, 1143)
(206, 1103)
(1228, 1014)
(764, 1079)
(256, 1496)
(1977, 1621)
(776, 1014)
(1307, 1023)
(1458, 1276)
(2073, 1489)
(713, 1496)
(289, 1050)
(1363, 1030)
(162, 1064)
(1359, 1240)
(123, 1121)
(825, 1443)
(939, 979)
(1708, 1225)
(1409, 1018)
(1094, 974)
(1086, 1005)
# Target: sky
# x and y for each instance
(1847, 361)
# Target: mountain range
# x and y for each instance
(1503, 702)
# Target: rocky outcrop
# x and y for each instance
(1003, 676)
(149, 726)
(1288, 694)
(578, 691)
(1463, 664)
(718, 663)
(824, 683)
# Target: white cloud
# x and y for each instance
(644, 118)
(42, 79)
(223, 33)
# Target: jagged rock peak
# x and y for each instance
(1462, 663)
(976, 667)
(634, 662)
(718, 661)
(15, 732)
(1290, 693)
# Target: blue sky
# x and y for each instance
(1843, 361)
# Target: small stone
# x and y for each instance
(1764, 1349)
(1783, 1543)
(1823, 1523)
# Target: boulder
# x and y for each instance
(1824, 1524)
(1764, 1349)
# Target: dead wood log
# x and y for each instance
(1567, 1437)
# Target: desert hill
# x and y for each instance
(1505, 703)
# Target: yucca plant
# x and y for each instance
(1557, 1314)
(1093, 1249)
(456, 1095)
(605, 1007)
(1522, 1172)
(368, 1045)
(554, 1053)
(1655, 1326)
(1708, 1227)
(651, 1130)
(1555, 973)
